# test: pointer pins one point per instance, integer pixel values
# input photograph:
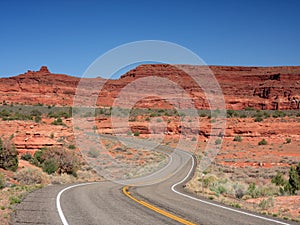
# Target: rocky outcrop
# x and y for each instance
(257, 87)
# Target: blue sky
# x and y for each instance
(68, 36)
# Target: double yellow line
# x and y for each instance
(153, 208)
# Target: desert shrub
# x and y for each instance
(249, 108)
(194, 139)
(50, 166)
(158, 120)
(218, 189)
(266, 114)
(278, 113)
(288, 140)
(38, 119)
(60, 114)
(237, 138)
(267, 191)
(153, 114)
(15, 200)
(252, 191)
(239, 190)
(26, 156)
(258, 119)
(218, 141)
(62, 179)
(72, 147)
(64, 161)
(35, 112)
(4, 113)
(136, 133)
(243, 116)
(8, 155)
(2, 180)
(262, 191)
(263, 142)
(231, 113)
(266, 203)
(37, 157)
(208, 180)
(58, 121)
(30, 176)
(278, 180)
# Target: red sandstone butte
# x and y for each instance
(257, 87)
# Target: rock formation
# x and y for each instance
(257, 87)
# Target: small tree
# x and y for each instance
(294, 180)
(8, 155)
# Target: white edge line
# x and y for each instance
(58, 205)
(216, 205)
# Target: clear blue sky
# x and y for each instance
(69, 35)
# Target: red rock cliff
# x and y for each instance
(257, 87)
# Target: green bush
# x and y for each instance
(2, 180)
(278, 180)
(288, 140)
(231, 113)
(252, 190)
(263, 142)
(266, 203)
(8, 155)
(50, 166)
(58, 159)
(237, 138)
(72, 147)
(158, 120)
(278, 113)
(136, 133)
(14, 200)
(26, 156)
(243, 116)
(37, 157)
(218, 141)
(58, 121)
(38, 119)
(258, 119)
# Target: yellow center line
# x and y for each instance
(155, 209)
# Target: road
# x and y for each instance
(105, 203)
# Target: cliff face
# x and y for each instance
(257, 87)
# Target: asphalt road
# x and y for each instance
(105, 203)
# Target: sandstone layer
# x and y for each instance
(258, 87)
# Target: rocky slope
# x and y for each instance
(257, 87)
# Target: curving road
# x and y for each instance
(105, 203)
